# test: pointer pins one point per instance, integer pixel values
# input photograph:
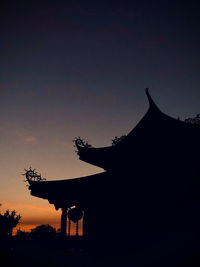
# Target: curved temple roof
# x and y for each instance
(155, 124)
(101, 156)
(149, 193)
(67, 192)
(157, 143)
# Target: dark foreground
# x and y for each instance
(72, 253)
(42, 253)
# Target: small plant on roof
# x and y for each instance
(32, 175)
(78, 141)
(194, 120)
(117, 140)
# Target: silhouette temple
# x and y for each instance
(148, 192)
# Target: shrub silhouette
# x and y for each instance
(43, 232)
(22, 235)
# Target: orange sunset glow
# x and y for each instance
(36, 215)
(99, 133)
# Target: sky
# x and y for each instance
(80, 68)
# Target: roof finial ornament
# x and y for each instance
(151, 102)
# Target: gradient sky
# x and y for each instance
(70, 68)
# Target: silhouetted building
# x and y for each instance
(148, 195)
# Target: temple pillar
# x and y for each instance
(63, 221)
(69, 227)
(77, 228)
(85, 225)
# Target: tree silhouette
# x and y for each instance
(8, 221)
